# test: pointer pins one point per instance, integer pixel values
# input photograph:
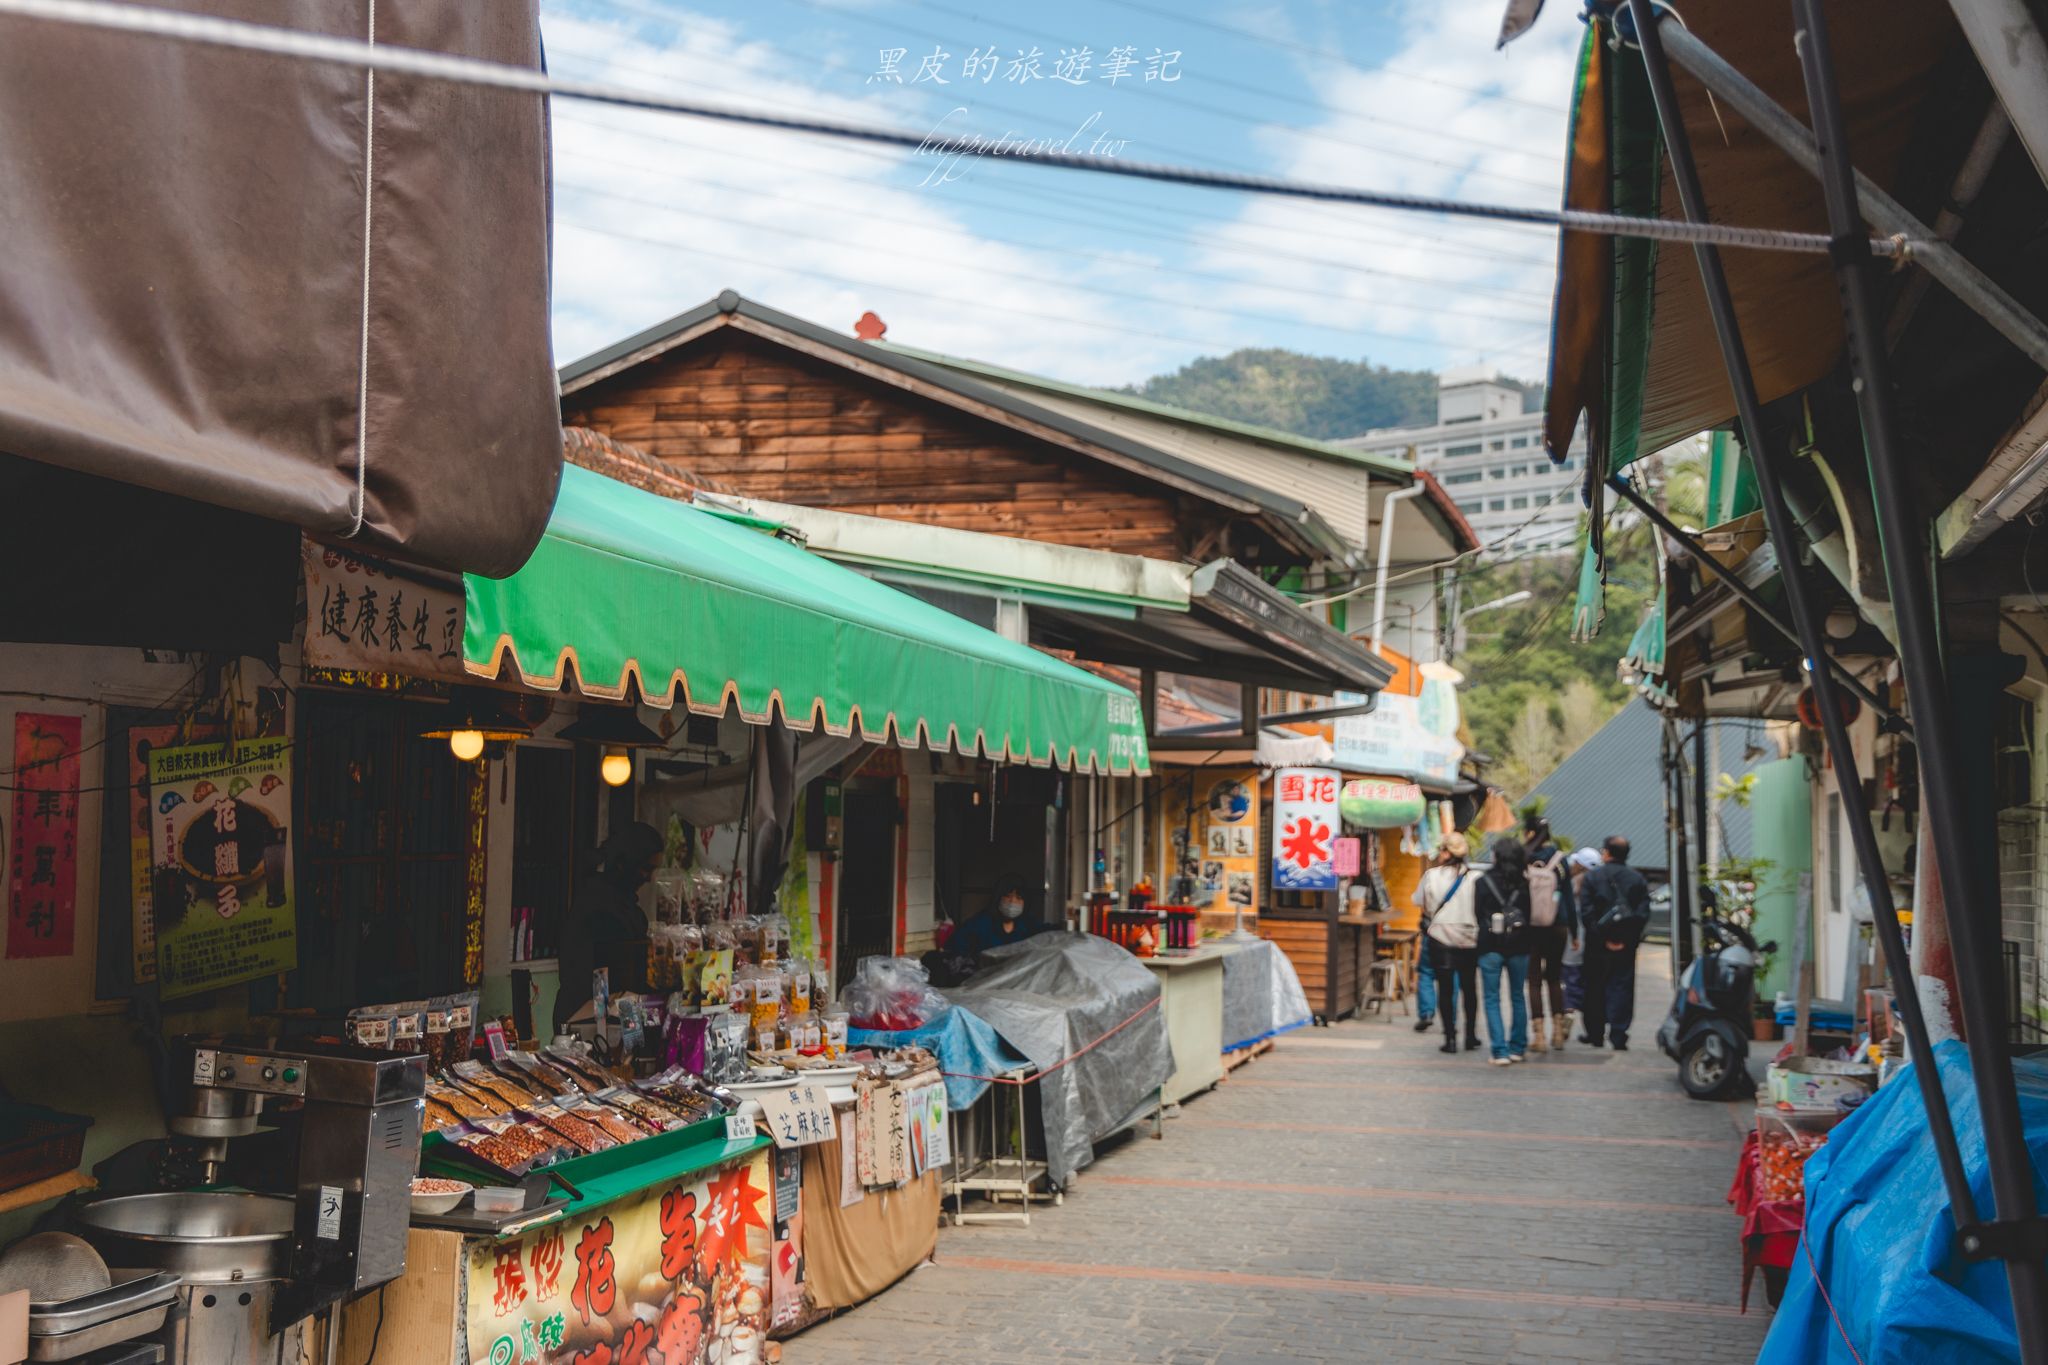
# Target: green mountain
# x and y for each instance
(1310, 395)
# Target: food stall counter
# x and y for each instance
(1191, 996)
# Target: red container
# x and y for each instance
(37, 1143)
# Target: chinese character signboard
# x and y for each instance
(1305, 829)
(365, 616)
(221, 893)
(43, 856)
(798, 1116)
(1415, 737)
(665, 1275)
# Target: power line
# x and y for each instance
(1115, 214)
(348, 52)
(1322, 294)
(1261, 92)
(1323, 54)
(638, 6)
(941, 40)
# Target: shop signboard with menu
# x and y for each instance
(1306, 824)
(221, 889)
(677, 1272)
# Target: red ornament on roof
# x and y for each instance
(870, 327)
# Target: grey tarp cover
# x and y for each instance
(181, 288)
(1054, 994)
(1262, 995)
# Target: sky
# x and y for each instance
(1092, 279)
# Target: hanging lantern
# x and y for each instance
(476, 722)
(1809, 709)
(618, 731)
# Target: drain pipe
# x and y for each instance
(1827, 533)
(1379, 587)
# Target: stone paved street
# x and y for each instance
(1356, 1195)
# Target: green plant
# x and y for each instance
(1738, 790)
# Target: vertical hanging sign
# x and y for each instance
(43, 855)
(1305, 828)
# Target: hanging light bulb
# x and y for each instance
(616, 767)
(467, 745)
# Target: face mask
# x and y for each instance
(1012, 909)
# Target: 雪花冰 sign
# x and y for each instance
(1305, 828)
(221, 889)
(679, 1272)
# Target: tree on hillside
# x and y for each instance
(1317, 396)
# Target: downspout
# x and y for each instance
(1379, 587)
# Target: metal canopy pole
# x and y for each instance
(1848, 782)
(1971, 286)
(2014, 1237)
(1747, 595)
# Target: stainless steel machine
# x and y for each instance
(359, 1138)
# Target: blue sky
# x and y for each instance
(1093, 279)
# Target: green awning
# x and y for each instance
(631, 588)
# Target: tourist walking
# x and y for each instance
(1501, 904)
(1582, 861)
(1615, 912)
(1552, 926)
(1450, 932)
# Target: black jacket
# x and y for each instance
(1491, 896)
(1617, 904)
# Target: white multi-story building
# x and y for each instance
(1488, 454)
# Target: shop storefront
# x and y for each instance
(341, 891)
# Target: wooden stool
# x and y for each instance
(1384, 983)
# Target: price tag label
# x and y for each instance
(738, 1128)
(798, 1116)
(494, 1036)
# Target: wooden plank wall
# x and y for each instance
(1307, 945)
(777, 424)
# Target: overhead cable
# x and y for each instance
(230, 33)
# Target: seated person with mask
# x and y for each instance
(1007, 923)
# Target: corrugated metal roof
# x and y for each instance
(1612, 784)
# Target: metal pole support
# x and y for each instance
(1806, 618)
(1969, 894)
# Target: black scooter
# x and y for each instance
(1707, 1032)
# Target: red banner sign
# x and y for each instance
(43, 857)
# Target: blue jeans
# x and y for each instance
(1425, 982)
(1490, 964)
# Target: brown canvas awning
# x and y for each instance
(1633, 347)
(182, 286)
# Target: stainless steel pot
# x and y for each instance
(230, 1249)
(207, 1238)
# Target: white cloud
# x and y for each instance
(827, 231)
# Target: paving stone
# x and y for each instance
(1336, 1202)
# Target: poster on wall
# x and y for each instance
(678, 1273)
(42, 901)
(1305, 828)
(143, 740)
(221, 894)
(1215, 828)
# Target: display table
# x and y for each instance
(1262, 995)
(669, 1246)
(1191, 995)
(1770, 1227)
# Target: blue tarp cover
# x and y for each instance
(1879, 1232)
(962, 1041)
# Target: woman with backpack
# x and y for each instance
(1501, 905)
(1452, 932)
(1552, 926)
